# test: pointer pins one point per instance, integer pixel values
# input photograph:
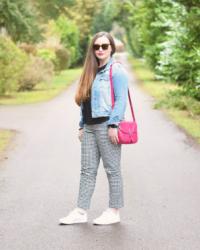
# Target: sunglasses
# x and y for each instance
(103, 46)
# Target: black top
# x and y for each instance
(87, 112)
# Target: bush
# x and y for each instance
(28, 48)
(180, 99)
(12, 63)
(37, 70)
(47, 54)
(58, 55)
(62, 59)
(69, 37)
(179, 58)
(188, 90)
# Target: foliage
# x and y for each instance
(51, 9)
(37, 70)
(58, 55)
(179, 59)
(164, 32)
(47, 54)
(12, 63)
(69, 37)
(167, 34)
(179, 99)
(105, 16)
(83, 13)
(63, 59)
(19, 18)
(133, 16)
(28, 48)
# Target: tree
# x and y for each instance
(83, 13)
(51, 9)
(69, 36)
(167, 34)
(105, 16)
(19, 18)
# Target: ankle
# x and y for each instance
(81, 210)
(115, 210)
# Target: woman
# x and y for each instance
(98, 128)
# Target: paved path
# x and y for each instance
(39, 182)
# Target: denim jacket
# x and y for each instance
(101, 102)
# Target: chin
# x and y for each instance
(101, 57)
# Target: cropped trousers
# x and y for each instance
(96, 145)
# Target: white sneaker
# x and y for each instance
(78, 215)
(107, 217)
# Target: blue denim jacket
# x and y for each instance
(101, 102)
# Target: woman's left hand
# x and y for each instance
(112, 133)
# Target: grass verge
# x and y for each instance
(183, 110)
(6, 137)
(42, 91)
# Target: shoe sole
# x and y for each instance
(75, 222)
(64, 223)
(99, 224)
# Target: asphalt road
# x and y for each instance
(40, 179)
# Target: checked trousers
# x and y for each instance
(95, 144)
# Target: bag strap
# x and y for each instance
(112, 93)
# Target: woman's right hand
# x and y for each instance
(80, 134)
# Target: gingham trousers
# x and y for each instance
(96, 144)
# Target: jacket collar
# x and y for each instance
(108, 64)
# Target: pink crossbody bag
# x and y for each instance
(127, 130)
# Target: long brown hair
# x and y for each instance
(90, 68)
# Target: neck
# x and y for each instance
(103, 62)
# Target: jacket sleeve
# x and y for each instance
(120, 85)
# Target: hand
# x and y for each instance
(112, 134)
(80, 134)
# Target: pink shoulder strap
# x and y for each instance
(112, 93)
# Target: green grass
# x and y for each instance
(5, 139)
(43, 91)
(181, 118)
(183, 110)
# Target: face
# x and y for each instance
(104, 52)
